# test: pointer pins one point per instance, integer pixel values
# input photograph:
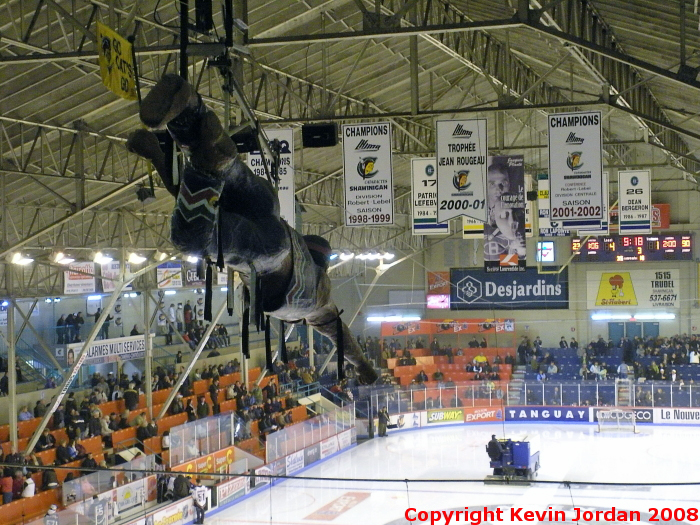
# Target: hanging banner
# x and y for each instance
(462, 150)
(111, 270)
(547, 228)
(504, 231)
(472, 229)
(634, 196)
(424, 190)
(605, 223)
(189, 271)
(110, 351)
(660, 217)
(641, 288)
(77, 283)
(368, 174)
(169, 275)
(116, 62)
(286, 189)
(528, 206)
(576, 168)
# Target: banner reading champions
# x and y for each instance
(641, 288)
(116, 62)
(635, 201)
(576, 168)
(368, 174)
(285, 191)
(462, 149)
(424, 189)
(473, 289)
(504, 231)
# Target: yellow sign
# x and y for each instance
(616, 289)
(445, 416)
(116, 62)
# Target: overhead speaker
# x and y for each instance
(246, 140)
(319, 135)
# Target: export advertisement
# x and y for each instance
(443, 416)
(438, 282)
(368, 174)
(474, 289)
(576, 168)
(641, 415)
(483, 415)
(677, 416)
(231, 490)
(640, 288)
(462, 152)
(424, 190)
(571, 414)
(634, 196)
(281, 139)
(294, 462)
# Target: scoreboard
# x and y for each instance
(624, 248)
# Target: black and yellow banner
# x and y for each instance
(116, 62)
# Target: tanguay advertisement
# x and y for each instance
(474, 289)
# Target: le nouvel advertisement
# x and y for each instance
(474, 289)
(576, 168)
(504, 231)
(368, 174)
(462, 152)
(283, 139)
(424, 189)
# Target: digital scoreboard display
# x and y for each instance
(624, 248)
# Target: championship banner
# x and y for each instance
(169, 275)
(546, 228)
(462, 150)
(424, 190)
(286, 188)
(640, 288)
(368, 174)
(634, 196)
(504, 231)
(79, 283)
(576, 168)
(472, 229)
(116, 62)
(605, 223)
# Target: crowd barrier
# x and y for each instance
(198, 438)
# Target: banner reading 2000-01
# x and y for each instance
(462, 149)
(576, 168)
(369, 183)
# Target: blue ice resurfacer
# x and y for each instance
(520, 459)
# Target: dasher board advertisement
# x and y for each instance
(369, 182)
(424, 189)
(462, 152)
(285, 171)
(576, 168)
(634, 194)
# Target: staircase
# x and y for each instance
(516, 386)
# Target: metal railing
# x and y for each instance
(204, 436)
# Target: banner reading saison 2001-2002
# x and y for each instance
(576, 169)
(462, 149)
(424, 189)
(369, 182)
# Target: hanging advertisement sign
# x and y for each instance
(189, 271)
(438, 282)
(75, 282)
(169, 275)
(112, 350)
(605, 223)
(368, 174)
(528, 206)
(116, 62)
(424, 190)
(462, 151)
(641, 288)
(111, 270)
(285, 171)
(547, 228)
(576, 168)
(634, 197)
(504, 231)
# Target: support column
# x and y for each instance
(310, 338)
(11, 356)
(244, 370)
(148, 372)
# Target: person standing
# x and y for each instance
(383, 421)
(214, 394)
(187, 313)
(180, 316)
(69, 329)
(61, 330)
(199, 498)
(78, 323)
(51, 518)
(98, 511)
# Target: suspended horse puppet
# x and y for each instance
(226, 213)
